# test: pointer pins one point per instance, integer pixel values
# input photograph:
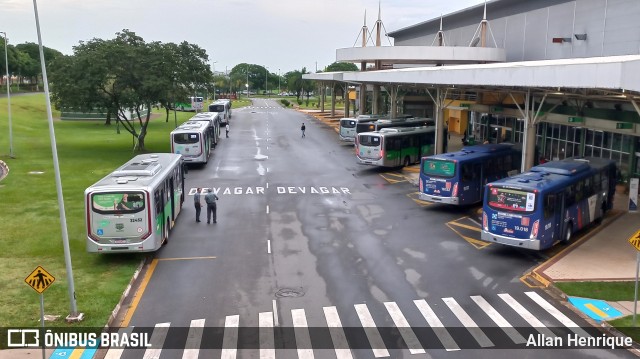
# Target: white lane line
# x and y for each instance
(301, 331)
(498, 319)
(557, 314)
(468, 323)
(274, 305)
(267, 209)
(116, 353)
(404, 328)
(441, 332)
(267, 345)
(157, 339)
(369, 326)
(230, 339)
(268, 246)
(338, 337)
(192, 345)
(526, 315)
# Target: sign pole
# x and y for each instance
(635, 295)
(44, 354)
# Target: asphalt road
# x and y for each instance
(305, 236)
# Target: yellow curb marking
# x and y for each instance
(185, 258)
(139, 293)
(412, 169)
(478, 244)
(466, 226)
(418, 201)
(596, 310)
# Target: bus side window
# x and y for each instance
(588, 188)
(549, 205)
(467, 173)
(158, 200)
(597, 186)
(570, 196)
(579, 190)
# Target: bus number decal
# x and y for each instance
(135, 219)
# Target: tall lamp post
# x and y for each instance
(266, 83)
(74, 315)
(279, 90)
(214, 83)
(8, 83)
(247, 85)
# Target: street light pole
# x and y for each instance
(279, 90)
(74, 315)
(247, 85)
(8, 83)
(266, 83)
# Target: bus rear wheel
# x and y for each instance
(568, 234)
(165, 233)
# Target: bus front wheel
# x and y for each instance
(568, 234)
(407, 161)
(166, 232)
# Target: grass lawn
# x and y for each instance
(612, 291)
(30, 230)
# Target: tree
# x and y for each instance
(341, 66)
(126, 73)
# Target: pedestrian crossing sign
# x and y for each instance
(635, 240)
(40, 279)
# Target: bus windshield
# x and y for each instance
(439, 168)
(348, 123)
(216, 108)
(186, 138)
(511, 200)
(117, 202)
(369, 140)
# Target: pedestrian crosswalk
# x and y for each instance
(381, 329)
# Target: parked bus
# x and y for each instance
(394, 147)
(223, 107)
(394, 122)
(458, 178)
(191, 140)
(347, 130)
(549, 203)
(193, 103)
(134, 207)
(213, 119)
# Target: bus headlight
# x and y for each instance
(485, 221)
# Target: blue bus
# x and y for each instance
(549, 203)
(458, 178)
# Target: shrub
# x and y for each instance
(285, 102)
(299, 102)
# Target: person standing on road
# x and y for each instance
(303, 128)
(227, 129)
(211, 199)
(197, 203)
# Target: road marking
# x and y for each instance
(476, 229)
(139, 293)
(369, 326)
(404, 328)
(274, 305)
(595, 309)
(301, 331)
(338, 337)
(268, 246)
(498, 319)
(185, 258)
(194, 337)
(526, 315)
(267, 209)
(230, 339)
(267, 346)
(466, 320)
(438, 328)
(557, 314)
(157, 339)
(116, 353)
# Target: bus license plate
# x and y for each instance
(120, 241)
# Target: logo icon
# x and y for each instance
(119, 227)
(23, 338)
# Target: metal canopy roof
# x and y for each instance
(615, 73)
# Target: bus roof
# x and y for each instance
(555, 173)
(398, 131)
(191, 126)
(139, 171)
(473, 152)
(206, 115)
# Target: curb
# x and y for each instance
(125, 294)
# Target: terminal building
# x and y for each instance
(560, 76)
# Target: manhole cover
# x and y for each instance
(290, 293)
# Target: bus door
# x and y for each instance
(560, 222)
(172, 198)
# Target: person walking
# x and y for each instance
(303, 128)
(227, 129)
(197, 203)
(210, 198)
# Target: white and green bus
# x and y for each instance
(191, 140)
(133, 208)
(193, 103)
(395, 146)
(213, 119)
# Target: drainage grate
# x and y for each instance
(290, 293)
